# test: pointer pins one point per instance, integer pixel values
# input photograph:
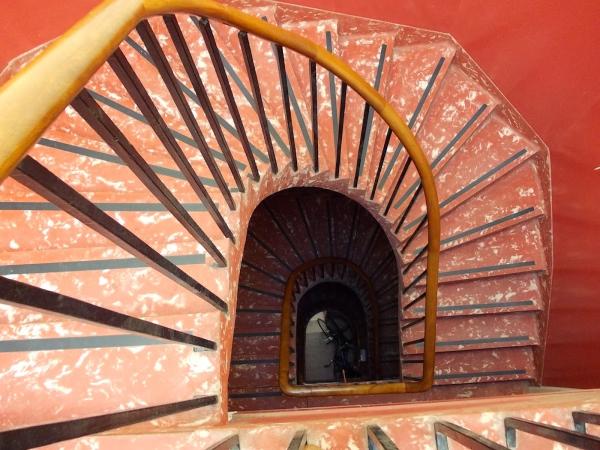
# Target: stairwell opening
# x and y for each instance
(332, 336)
(345, 325)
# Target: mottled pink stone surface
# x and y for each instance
(492, 181)
(409, 426)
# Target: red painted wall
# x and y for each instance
(543, 54)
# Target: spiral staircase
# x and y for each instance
(179, 177)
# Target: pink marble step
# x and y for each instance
(196, 440)
(324, 33)
(208, 75)
(247, 6)
(94, 170)
(249, 300)
(67, 384)
(267, 232)
(520, 292)
(55, 229)
(545, 408)
(112, 278)
(370, 56)
(318, 214)
(156, 87)
(418, 73)
(460, 106)
(272, 399)
(479, 366)
(492, 152)
(514, 198)
(62, 327)
(291, 214)
(267, 399)
(258, 281)
(256, 254)
(256, 347)
(477, 332)
(513, 250)
(112, 97)
(265, 61)
(254, 375)
(254, 322)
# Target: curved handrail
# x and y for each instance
(324, 389)
(286, 327)
(35, 96)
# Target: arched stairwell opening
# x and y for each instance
(130, 180)
(304, 240)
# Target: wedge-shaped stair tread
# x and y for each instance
(239, 86)
(127, 284)
(106, 89)
(276, 236)
(256, 347)
(512, 199)
(418, 73)
(324, 33)
(96, 381)
(370, 56)
(46, 335)
(477, 332)
(514, 250)
(255, 301)
(265, 61)
(459, 108)
(492, 152)
(259, 373)
(520, 292)
(136, 52)
(259, 254)
(256, 322)
(256, 278)
(479, 366)
(48, 228)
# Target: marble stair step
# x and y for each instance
(328, 87)
(494, 151)
(479, 366)
(266, 65)
(476, 332)
(370, 56)
(520, 292)
(88, 382)
(145, 67)
(49, 228)
(418, 73)
(515, 198)
(459, 108)
(510, 251)
(127, 284)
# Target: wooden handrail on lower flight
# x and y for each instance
(33, 98)
(322, 389)
(288, 301)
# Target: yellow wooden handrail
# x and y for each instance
(36, 95)
(324, 389)
(288, 300)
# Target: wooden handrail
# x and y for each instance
(32, 99)
(322, 389)
(284, 342)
